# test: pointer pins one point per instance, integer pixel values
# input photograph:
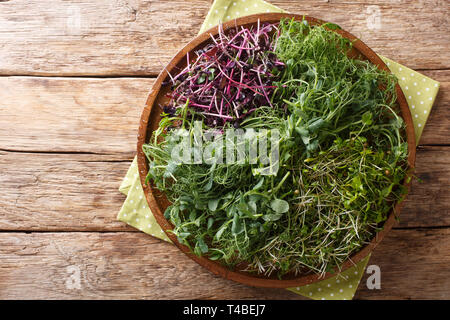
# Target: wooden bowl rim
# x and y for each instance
(215, 267)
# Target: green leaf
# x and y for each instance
(304, 230)
(331, 26)
(168, 212)
(208, 186)
(170, 169)
(215, 256)
(304, 134)
(212, 204)
(312, 146)
(279, 206)
(259, 184)
(356, 183)
(367, 118)
(210, 222)
(252, 205)
(237, 226)
(386, 191)
(221, 230)
(193, 215)
(202, 245)
(306, 140)
(184, 235)
(255, 197)
(201, 78)
(397, 123)
(243, 208)
(302, 97)
(316, 125)
(302, 131)
(212, 74)
(272, 216)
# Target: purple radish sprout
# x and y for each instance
(230, 77)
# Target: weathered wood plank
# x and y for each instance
(137, 37)
(102, 115)
(413, 264)
(428, 203)
(78, 192)
(134, 265)
(110, 265)
(61, 191)
(77, 115)
(81, 37)
(71, 192)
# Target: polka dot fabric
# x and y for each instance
(341, 287)
(135, 210)
(420, 92)
(224, 10)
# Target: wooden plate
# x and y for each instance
(157, 203)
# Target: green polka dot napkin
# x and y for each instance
(341, 287)
(420, 92)
(135, 210)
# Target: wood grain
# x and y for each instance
(111, 265)
(71, 115)
(134, 37)
(413, 264)
(124, 265)
(70, 192)
(428, 203)
(102, 115)
(79, 134)
(61, 191)
(82, 37)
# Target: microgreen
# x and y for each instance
(343, 155)
(229, 77)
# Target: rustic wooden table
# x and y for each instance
(74, 76)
